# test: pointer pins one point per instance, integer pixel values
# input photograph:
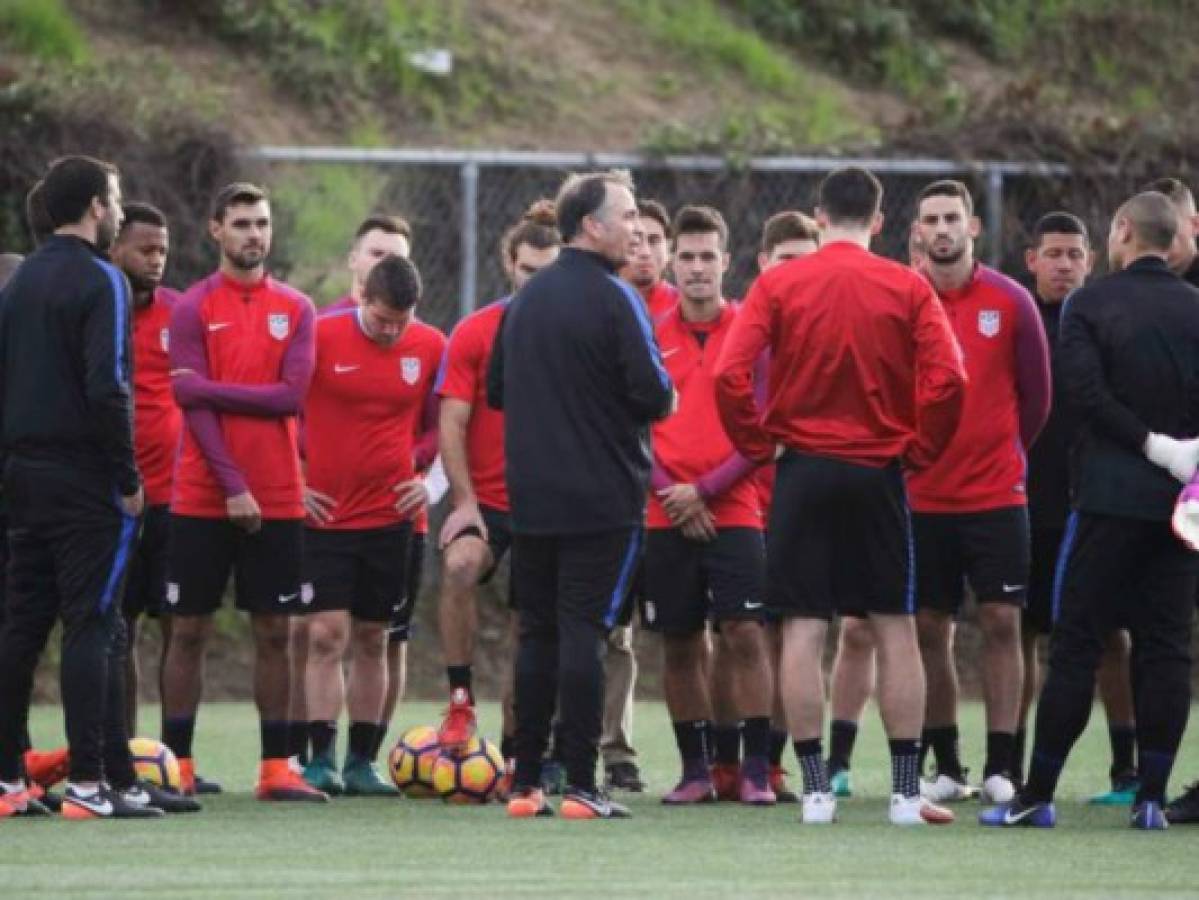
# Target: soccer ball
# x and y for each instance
(471, 776)
(154, 762)
(411, 761)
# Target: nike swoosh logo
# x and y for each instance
(1017, 818)
(341, 370)
(217, 326)
(671, 352)
(287, 598)
(102, 809)
(749, 605)
(1012, 588)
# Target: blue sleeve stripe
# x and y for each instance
(120, 303)
(647, 331)
(620, 592)
(1063, 561)
(119, 560)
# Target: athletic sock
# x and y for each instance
(690, 738)
(297, 741)
(461, 677)
(842, 734)
(727, 739)
(324, 740)
(362, 739)
(905, 767)
(1018, 752)
(755, 737)
(944, 744)
(507, 747)
(810, 755)
(380, 737)
(177, 733)
(274, 739)
(1000, 750)
(1124, 743)
(778, 744)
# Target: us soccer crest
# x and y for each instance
(164, 338)
(277, 324)
(988, 322)
(410, 369)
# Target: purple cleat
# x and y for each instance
(755, 783)
(691, 790)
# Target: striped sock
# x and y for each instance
(810, 755)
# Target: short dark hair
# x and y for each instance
(143, 213)
(850, 196)
(946, 187)
(387, 224)
(700, 220)
(239, 193)
(538, 228)
(395, 282)
(788, 225)
(70, 185)
(36, 217)
(652, 209)
(1175, 190)
(1153, 217)
(582, 194)
(1059, 222)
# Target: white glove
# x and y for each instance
(1179, 458)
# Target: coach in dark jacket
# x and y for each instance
(578, 375)
(1129, 365)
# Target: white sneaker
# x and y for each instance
(997, 789)
(917, 811)
(819, 809)
(945, 789)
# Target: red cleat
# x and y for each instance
(726, 778)
(277, 780)
(187, 776)
(778, 784)
(47, 767)
(458, 726)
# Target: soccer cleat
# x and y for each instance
(105, 803)
(322, 774)
(917, 811)
(1018, 814)
(778, 784)
(819, 809)
(946, 788)
(553, 777)
(22, 802)
(1149, 816)
(528, 803)
(187, 776)
(278, 781)
(459, 725)
(205, 786)
(726, 778)
(362, 779)
(166, 799)
(580, 804)
(689, 791)
(754, 789)
(623, 776)
(1184, 809)
(841, 783)
(47, 767)
(1123, 792)
(997, 789)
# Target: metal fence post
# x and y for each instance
(995, 213)
(468, 289)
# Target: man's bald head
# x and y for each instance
(8, 265)
(1144, 225)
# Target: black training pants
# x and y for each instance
(568, 591)
(69, 543)
(1118, 573)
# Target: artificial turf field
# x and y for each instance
(424, 848)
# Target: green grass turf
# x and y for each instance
(384, 848)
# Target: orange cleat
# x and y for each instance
(726, 779)
(528, 803)
(47, 767)
(187, 776)
(458, 726)
(277, 780)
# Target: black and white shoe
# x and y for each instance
(167, 800)
(105, 803)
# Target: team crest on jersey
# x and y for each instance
(164, 338)
(988, 322)
(277, 324)
(410, 369)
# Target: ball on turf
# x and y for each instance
(411, 761)
(471, 776)
(154, 762)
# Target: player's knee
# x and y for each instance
(187, 640)
(326, 640)
(744, 640)
(932, 634)
(370, 641)
(682, 651)
(463, 566)
(856, 636)
(1000, 624)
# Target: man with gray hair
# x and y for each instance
(1128, 355)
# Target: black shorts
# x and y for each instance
(1044, 545)
(358, 570)
(499, 537)
(400, 627)
(839, 539)
(688, 583)
(146, 584)
(266, 566)
(988, 549)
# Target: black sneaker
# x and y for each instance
(105, 803)
(1184, 810)
(169, 801)
(204, 786)
(623, 776)
(580, 804)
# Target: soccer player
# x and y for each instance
(646, 268)
(579, 378)
(704, 556)
(373, 384)
(970, 516)
(241, 350)
(72, 490)
(865, 375)
(477, 533)
(1128, 356)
